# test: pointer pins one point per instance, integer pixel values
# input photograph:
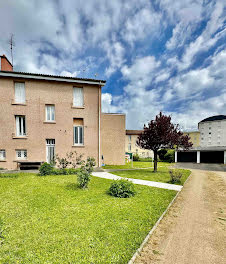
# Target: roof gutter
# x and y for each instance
(48, 78)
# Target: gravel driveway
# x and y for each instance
(194, 230)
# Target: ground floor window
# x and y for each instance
(21, 154)
(2, 154)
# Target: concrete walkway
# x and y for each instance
(161, 185)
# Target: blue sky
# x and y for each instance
(156, 56)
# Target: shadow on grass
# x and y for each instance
(8, 175)
(72, 186)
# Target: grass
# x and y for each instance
(49, 220)
(162, 175)
(136, 164)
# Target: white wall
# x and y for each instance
(213, 133)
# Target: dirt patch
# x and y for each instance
(194, 229)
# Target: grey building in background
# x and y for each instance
(212, 147)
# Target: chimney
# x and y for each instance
(5, 64)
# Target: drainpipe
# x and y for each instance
(225, 157)
(99, 97)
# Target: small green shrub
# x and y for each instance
(175, 176)
(83, 178)
(122, 189)
(84, 173)
(136, 157)
(45, 169)
(169, 156)
(145, 159)
(162, 153)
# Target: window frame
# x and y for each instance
(74, 97)
(50, 106)
(23, 157)
(79, 136)
(21, 127)
(2, 154)
(15, 99)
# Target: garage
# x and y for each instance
(186, 156)
(212, 156)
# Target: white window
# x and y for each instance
(130, 138)
(2, 154)
(50, 113)
(78, 98)
(20, 96)
(21, 154)
(78, 135)
(50, 150)
(20, 126)
(129, 147)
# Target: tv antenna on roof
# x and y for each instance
(12, 44)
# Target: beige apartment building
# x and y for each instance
(131, 147)
(113, 138)
(194, 137)
(43, 115)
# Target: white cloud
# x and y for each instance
(207, 39)
(115, 54)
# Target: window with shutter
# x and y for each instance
(78, 97)
(20, 96)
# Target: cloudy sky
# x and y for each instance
(155, 55)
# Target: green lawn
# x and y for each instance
(162, 175)
(136, 164)
(49, 220)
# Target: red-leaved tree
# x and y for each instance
(161, 133)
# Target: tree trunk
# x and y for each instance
(155, 160)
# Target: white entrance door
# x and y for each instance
(50, 150)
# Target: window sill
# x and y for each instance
(49, 122)
(77, 107)
(18, 137)
(14, 103)
(3, 160)
(78, 146)
(19, 160)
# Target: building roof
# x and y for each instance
(28, 75)
(133, 132)
(210, 148)
(214, 118)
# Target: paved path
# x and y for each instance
(194, 229)
(162, 185)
